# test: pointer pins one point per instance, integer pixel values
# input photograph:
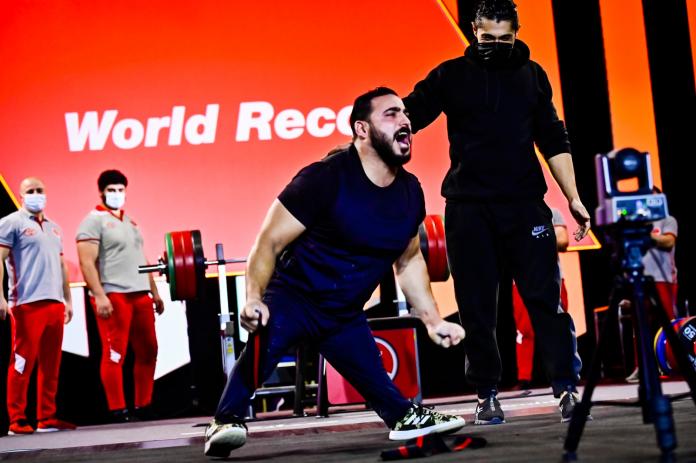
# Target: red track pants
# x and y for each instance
(133, 320)
(37, 334)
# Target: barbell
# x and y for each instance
(183, 264)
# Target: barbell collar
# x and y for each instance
(160, 267)
(224, 261)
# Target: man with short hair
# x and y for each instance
(110, 248)
(325, 244)
(498, 105)
(39, 305)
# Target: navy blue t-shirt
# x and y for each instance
(355, 231)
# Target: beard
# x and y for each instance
(385, 149)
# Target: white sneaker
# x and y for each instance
(222, 438)
(634, 377)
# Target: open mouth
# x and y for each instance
(403, 137)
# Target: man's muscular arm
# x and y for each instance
(412, 274)
(279, 229)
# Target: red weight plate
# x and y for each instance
(442, 244)
(181, 283)
(189, 264)
(433, 249)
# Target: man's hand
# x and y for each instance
(254, 312)
(582, 217)
(104, 307)
(158, 302)
(3, 307)
(446, 334)
(68, 313)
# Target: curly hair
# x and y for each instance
(497, 10)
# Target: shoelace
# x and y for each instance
(428, 410)
(491, 400)
(431, 411)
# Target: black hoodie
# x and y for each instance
(494, 117)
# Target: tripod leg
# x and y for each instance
(657, 408)
(582, 410)
(647, 368)
(686, 361)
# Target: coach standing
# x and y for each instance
(38, 303)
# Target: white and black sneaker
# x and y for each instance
(222, 438)
(489, 412)
(421, 421)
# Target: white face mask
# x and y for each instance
(35, 202)
(115, 199)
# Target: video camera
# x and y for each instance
(625, 189)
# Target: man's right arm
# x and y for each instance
(4, 252)
(279, 229)
(424, 104)
(88, 252)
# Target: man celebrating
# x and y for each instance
(39, 303)
(122, 298)
(498, 105)
(326, 242)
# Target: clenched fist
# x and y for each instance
(254, 312)
(446, 334)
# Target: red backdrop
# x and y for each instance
(85, 85)
(141, 59)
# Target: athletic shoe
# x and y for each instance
(522, 385)
(122, 415)
(489, 412)
(569, 401)
(20, 427)
(634, 377)
(421, 421)
(144, 414)
(53, 425)
(222, 438)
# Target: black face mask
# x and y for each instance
(494, 52)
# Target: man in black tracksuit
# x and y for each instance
(498, 105)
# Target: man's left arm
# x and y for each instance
(551, 137)
(412, 275)
(561, 166)
(67, 295)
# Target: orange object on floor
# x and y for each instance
(54, 424)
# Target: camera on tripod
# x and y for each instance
(625, 189)
(626, 209)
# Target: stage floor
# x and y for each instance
(533, 432)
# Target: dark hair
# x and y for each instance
(497, 10)
(111, 177)
(362, 107)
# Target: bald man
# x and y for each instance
(38, 304)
